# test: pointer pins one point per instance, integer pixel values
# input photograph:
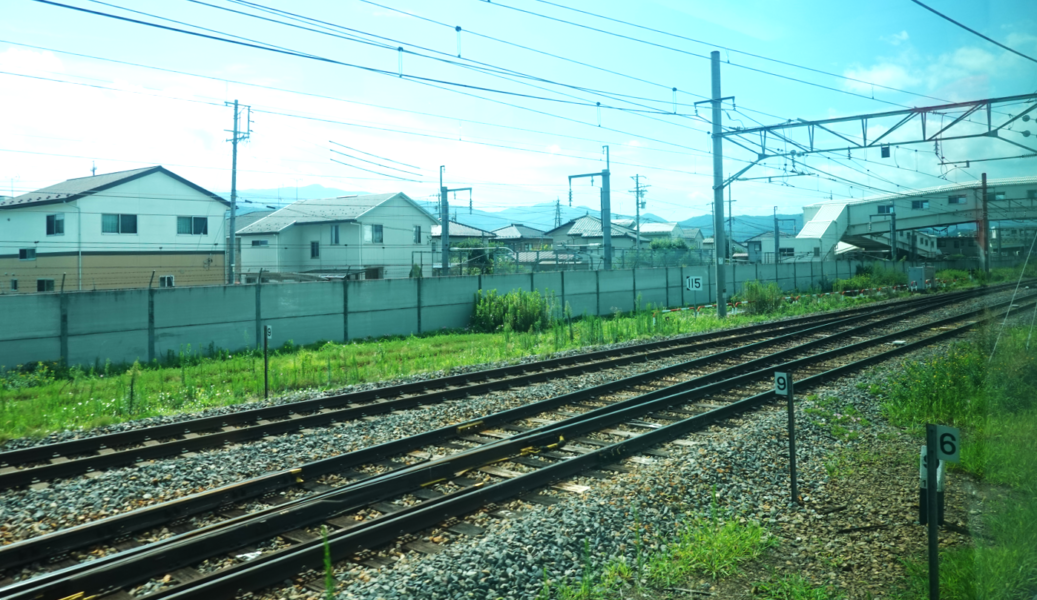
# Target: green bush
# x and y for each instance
(871, 276)
(762, 297)
(668, 244)
(515, 311)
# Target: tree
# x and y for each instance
(668, 244)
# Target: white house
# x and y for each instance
(117, 230)
(655, 231)
(358, 237)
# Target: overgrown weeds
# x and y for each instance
(992, 399)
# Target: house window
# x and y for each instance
(817, 251)
(165, 281)
(885, 209)
(417, 234)
(27, 254)
(118, 223)
(191, 226)
(786, 251)
(920, 204)
(56, 224)
(995, 196)
(14, 285)
(260, 242)
(1031, 194)
(44, 285)
(373, 234)
(314, 249)
(956, 200)
(334, 235)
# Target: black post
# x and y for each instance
(933, 523)
(792, 442)
(266, 366)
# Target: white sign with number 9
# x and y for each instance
(782, 383)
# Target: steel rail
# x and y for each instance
(411, 477)
(60, 542)
(14, 477)
(274, 567)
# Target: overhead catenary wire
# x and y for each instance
(974, 32)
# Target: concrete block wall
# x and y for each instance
(88, 328)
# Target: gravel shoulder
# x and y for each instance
(855, 528)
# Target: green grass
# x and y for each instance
(993, 402)
(703, 547)
(793, 587)
(708, 547)
(40, 399)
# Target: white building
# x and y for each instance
(359, 237)
(117, 230)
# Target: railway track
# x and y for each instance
(587, 429)
(42, 463)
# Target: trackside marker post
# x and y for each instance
(783, 387)
(266, 360)
(945, 444)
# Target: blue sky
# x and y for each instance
(514, 150)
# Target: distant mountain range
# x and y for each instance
(538, 216)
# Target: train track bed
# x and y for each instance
(843, 535)
(62, 504)
(575, 483)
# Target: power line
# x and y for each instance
(729, 49)
(686, 52)
(973, 31)
(318, 58)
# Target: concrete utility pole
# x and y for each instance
(236, 136)
(639, 203)
(893, 232)
(730, 224)
(606, 207)
(985, 227)
(777, 240)
(719, 243)
(444, 216)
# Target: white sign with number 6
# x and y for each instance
(782, 383)
(948, 443)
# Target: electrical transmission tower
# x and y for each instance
(558, 213)
(237, 135)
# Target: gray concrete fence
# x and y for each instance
(87, 328)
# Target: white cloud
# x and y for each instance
(885, 73)
(896, 39)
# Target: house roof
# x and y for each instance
(74, 189)
(692, 231)
(324, 210)
(658, 228)
(590, 227)
(461, 230)
(243, 221)
(625, 223)
(517, 231)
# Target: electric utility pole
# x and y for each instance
(719, 241)
(237, 135)
(639, 203)
(606, 206)
(444, 215)
(730, 224)
(984, 232)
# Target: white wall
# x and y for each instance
(156, 199)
